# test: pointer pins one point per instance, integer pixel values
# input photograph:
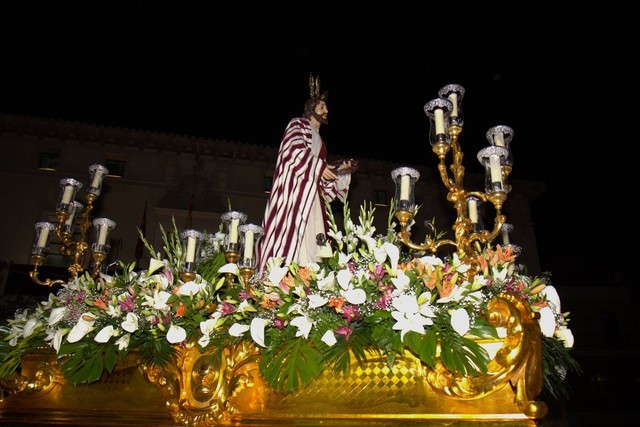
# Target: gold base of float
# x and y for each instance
(197, 392)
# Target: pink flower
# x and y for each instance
(344, 330)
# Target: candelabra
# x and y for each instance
(446, 122)
(67, 211)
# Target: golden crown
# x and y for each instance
(314, 87)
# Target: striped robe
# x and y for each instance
(295, 207)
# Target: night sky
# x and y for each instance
(566, 93)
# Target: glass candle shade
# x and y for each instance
(492, 158)
(454, 93)
(405, 179)
(69, 224)
(505, 232)
(438, 110)
(192, 240)
(232, 220)
(501, 136)
(68, 189)
(250, 234)
(96, 174)
(41, 242)
(103, 227)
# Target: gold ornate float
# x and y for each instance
(196, 392)
(383, 330)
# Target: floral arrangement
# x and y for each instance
(368, 293)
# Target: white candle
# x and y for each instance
(97, 179)
(454, 100)
(473, 210)
(43, 237)
(439, 119)
(68, 193)
(405, 182)
(191, 249)
(102, 235)
(505, 235)
(248, 244)
(233, 231)
(499, 139)
(496, 170)
(72, 215)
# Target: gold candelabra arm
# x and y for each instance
(98, 259)
(86, 217)
(486, 236)
(404, 235)
(37, 261)
(444, 175)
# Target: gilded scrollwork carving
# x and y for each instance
(517, 362)
(202, 389)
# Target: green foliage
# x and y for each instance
(293, 365)
(557, 363)
(84, 362)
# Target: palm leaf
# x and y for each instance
(295, 364)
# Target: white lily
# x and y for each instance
(394, 255)
(325, 251)
(55, 336)
(460, 321)
(401, 282)
(409, 314)
(114, 310)
(500, 274)
(547, 321)
(257, 330)
(327, 283)
(329, 338)
(455, 295)
(105, 334)
(208, 326)
(123, 341)
(30, 326)
(406, 322)
(565, 335)
(82, 328)
(552, 297)
(56, 315)
(191, 288)
(154, 265)
(316, 301)
(158, 301)
(355, 296)
(344, 278)
(432, 260)
(343, 258)
(277, 274)
(245, 306)
(130, 324)
(230, 268)
(304, 326)
(176, 334)
(238, 329)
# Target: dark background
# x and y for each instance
(566, 90)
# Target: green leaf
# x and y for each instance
(296, 363)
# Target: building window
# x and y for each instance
(48, 161)
(267, 183)
(380, 198)
(115, 167)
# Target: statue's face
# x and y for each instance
(321, 112)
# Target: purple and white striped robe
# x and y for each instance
(296, 187)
